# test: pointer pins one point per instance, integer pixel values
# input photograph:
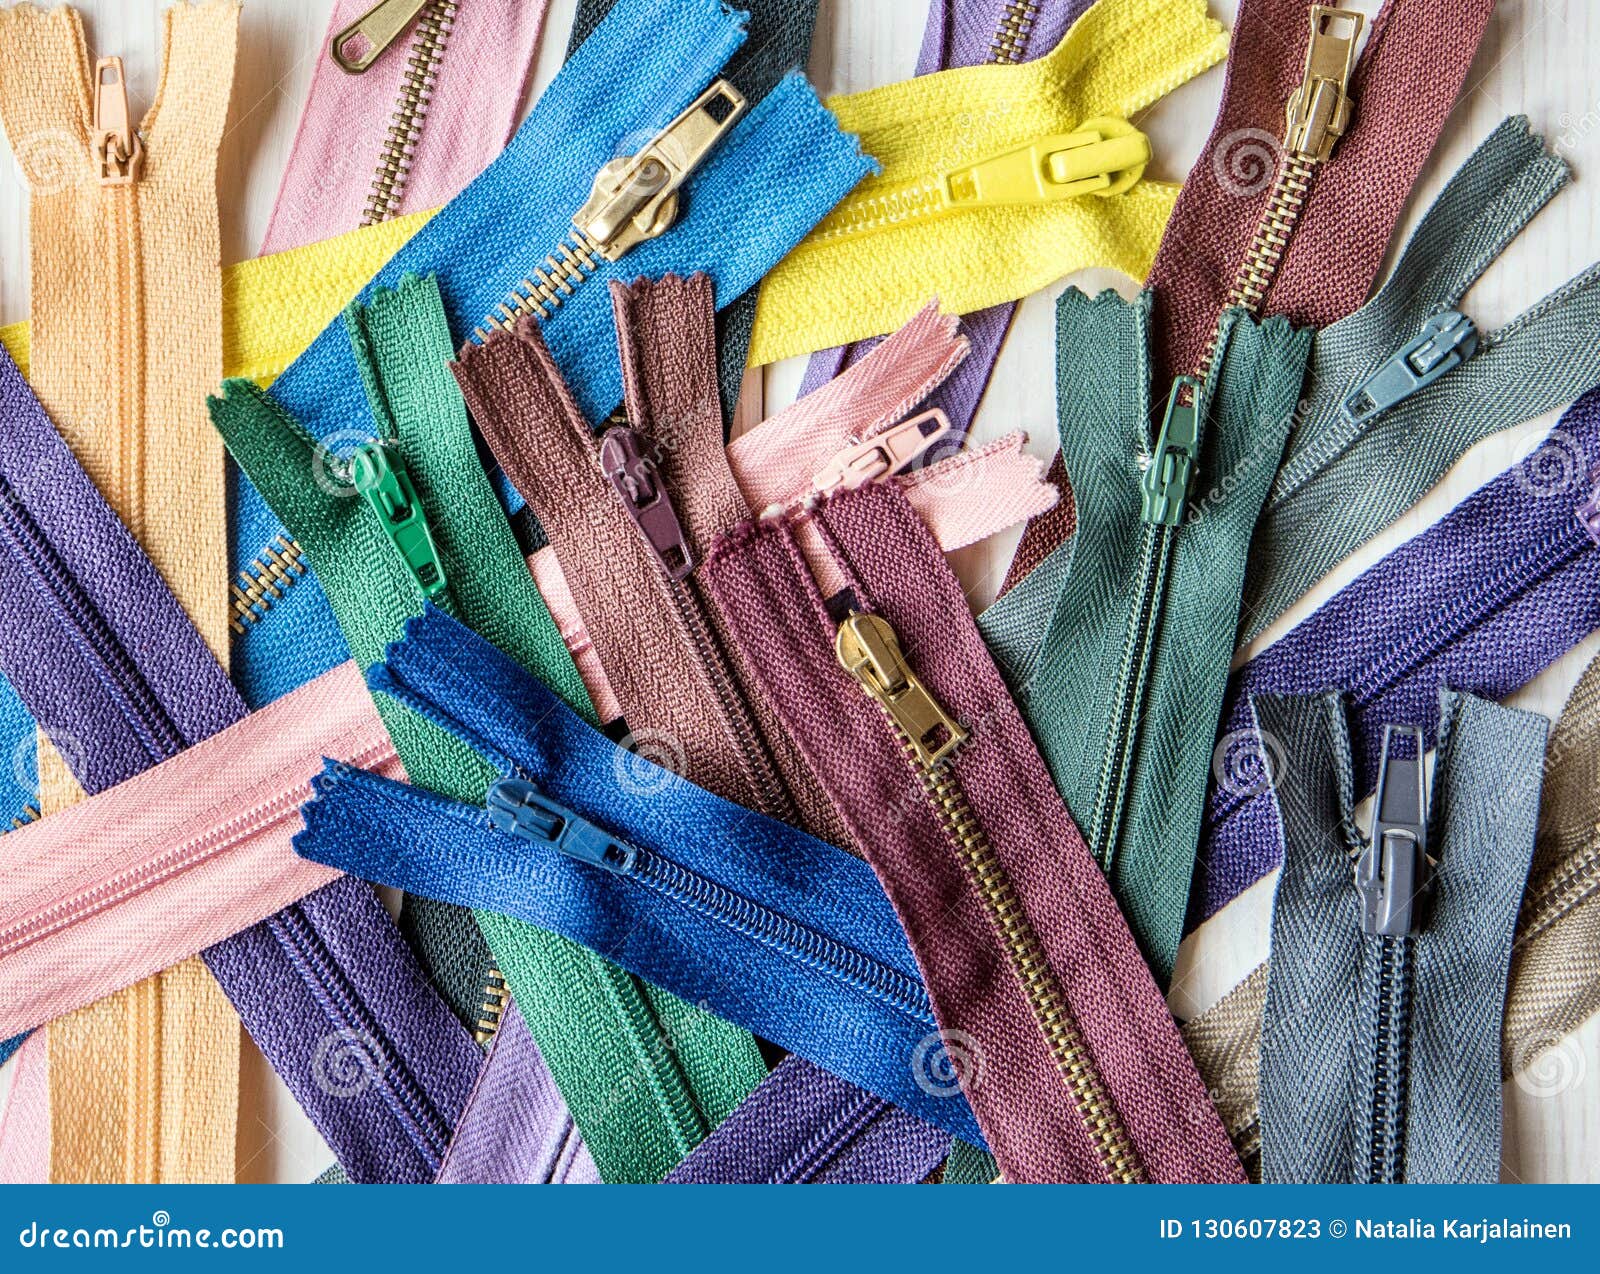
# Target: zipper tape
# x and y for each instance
(1151, 608)
(1338, 224)
(1129, 1072)
(1485, 599)
(1344, 480)
(191, 851)
(25, 1121)
(1380, 1055)
(718, 893)
(967, 33)
(1225, 1042)
(111, 667)
(640, 1107)
(873, 261)
(516, 1129)
(805, 1126)
(412, 129)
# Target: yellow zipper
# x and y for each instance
(405, 125)
(633, 199)
(869, 650)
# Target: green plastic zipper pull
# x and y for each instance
(1165, 485)
(380, 475)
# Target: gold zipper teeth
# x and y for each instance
(496, 995)
(405, 126)
(1112, 1144)
(266, 581)
(30, 814)
(550, 285)
(1011, 38)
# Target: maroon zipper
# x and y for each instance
(1049, 1015)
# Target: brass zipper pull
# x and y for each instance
(1319, 110)
(380, 26)
(636, 197)
(115, 143)
(869, 651)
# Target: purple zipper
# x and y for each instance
(968, 33)
(107, 662)
(1482, 602)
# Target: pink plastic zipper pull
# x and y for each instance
(882, 454)
(634, 476)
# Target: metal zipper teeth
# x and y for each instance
(264, 582)
(344, 1008)
(75, 611)
(496, 997)
(1010, 42)
(1112, 1144)
(574, 261)
(30, 814)
(147, 875)
(823, 1147)
(411, 109)
(1132, 676)
(1391, 1062)
(1558, 894)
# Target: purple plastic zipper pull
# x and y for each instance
(1589, 513)
(635, 477)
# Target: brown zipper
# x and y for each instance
(410, 110)
(869, 650)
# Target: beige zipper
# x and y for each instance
(869, 650)
(411, 109)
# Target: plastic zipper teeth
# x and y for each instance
(1011, 38)
(174, 862)
(1391, 1062)
(495, 998)
(265, 581)
(405, 126)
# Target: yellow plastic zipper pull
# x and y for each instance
(636, 197)
(1103, 157)
(377, 28)
(869, 651)
(115, 143)
(1319, 110)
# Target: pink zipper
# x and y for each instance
(413, 129)
(190, 852)
(25, 1124)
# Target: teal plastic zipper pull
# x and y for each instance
(1447, 340)
(1165, 485)
(380, 475)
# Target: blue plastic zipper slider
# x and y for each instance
(380, 474)
(1447, 340)
(633, 474)
(518, 807)
(1393, 873)
(1165, 485)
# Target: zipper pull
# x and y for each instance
(1165, 485)
(378, 28)
(634, 476)
(1104, 157)
(636, 197)
(1393, 873)
(1447, 340)
(869, 651)
(518, 807)
(379, 473)
(1319, 110)
(1589, 514)
(882, 454)
(115, 143)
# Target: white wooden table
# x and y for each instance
(1541, 58)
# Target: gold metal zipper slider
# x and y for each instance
(373, 32)
(1319, 110)
(869, 651)
(636, 197)
(115, 143)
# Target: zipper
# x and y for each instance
(1552, 898)
(411, 106)
(496, 996)
(1010, 43)
(264, 582)
(869, 650)
(823, 1148)
(633, 199)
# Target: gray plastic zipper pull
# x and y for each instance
(1447, 340)
(1393, 872)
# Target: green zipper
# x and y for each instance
(413, 517)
